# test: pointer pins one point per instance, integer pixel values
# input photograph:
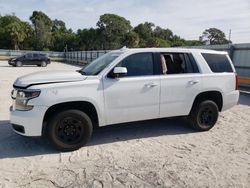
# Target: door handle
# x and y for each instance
(151, 85)
(193, 82)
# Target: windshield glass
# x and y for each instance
(100, 63)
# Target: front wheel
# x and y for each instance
(204, 115)
(19, 64)
(69, 130)
(43, 64)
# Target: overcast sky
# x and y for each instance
(187, 18)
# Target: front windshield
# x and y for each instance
(100, 63)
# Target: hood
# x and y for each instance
(47, 77)
(11, 59)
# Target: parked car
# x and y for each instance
(124, 86)
(38, 59)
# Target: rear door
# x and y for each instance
(36, 59)
(28, 59)
(180, 85)
(135, 96)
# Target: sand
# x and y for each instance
(157, 153)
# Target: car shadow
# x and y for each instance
(13, 145)
(244, 98)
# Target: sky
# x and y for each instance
(186, 18)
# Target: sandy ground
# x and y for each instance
(158, 153)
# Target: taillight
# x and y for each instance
(236, 82)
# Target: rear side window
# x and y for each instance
(178, 63)
(218, 62)
(35, 55)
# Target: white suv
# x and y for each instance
(123, 86)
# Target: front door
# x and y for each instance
(135, 96)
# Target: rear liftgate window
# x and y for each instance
(218, 62)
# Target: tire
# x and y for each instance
(204, 115)
(69, 130)
(43, 64)
(19, 64)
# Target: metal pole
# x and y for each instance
(229, 37)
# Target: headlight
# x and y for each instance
(28, 94)
(22, 98)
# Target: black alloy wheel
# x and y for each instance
(204, 115)
(69, 130)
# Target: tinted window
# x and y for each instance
(100, 63)
(179, 63)
(35, 55)
(29, 56)
(218, 62)
(190, 62)
(139, 64)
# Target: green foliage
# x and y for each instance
(13, 32)
(42, 25)
(113, 29)
(131, 40)
(112, 32)
(89, 39)
(213, 36)
(146, 34)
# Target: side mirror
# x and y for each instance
(120, 72)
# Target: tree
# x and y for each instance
(43, 30)
(213, 36)
(113, 29)
(13, 32)
(131, 40)
(145, 32)
(193, 43)
(89, 39)
(62, 38)
(162, 43)
(165, 34)
(112, 32)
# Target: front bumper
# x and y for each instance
(11, 62)
(31, 121)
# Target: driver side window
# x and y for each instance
(28, 56)
(140, 64)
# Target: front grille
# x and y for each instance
(18, 128)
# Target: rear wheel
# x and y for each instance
(19, 64)
(69, 130)
(204, 115)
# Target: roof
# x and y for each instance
(181, 50)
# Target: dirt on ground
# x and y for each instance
(156, 153)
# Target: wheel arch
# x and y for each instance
(85, 106)
(212, 95)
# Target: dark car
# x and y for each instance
(30, 59)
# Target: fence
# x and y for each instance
(54, 56)
(239, 53)
(83, 56)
